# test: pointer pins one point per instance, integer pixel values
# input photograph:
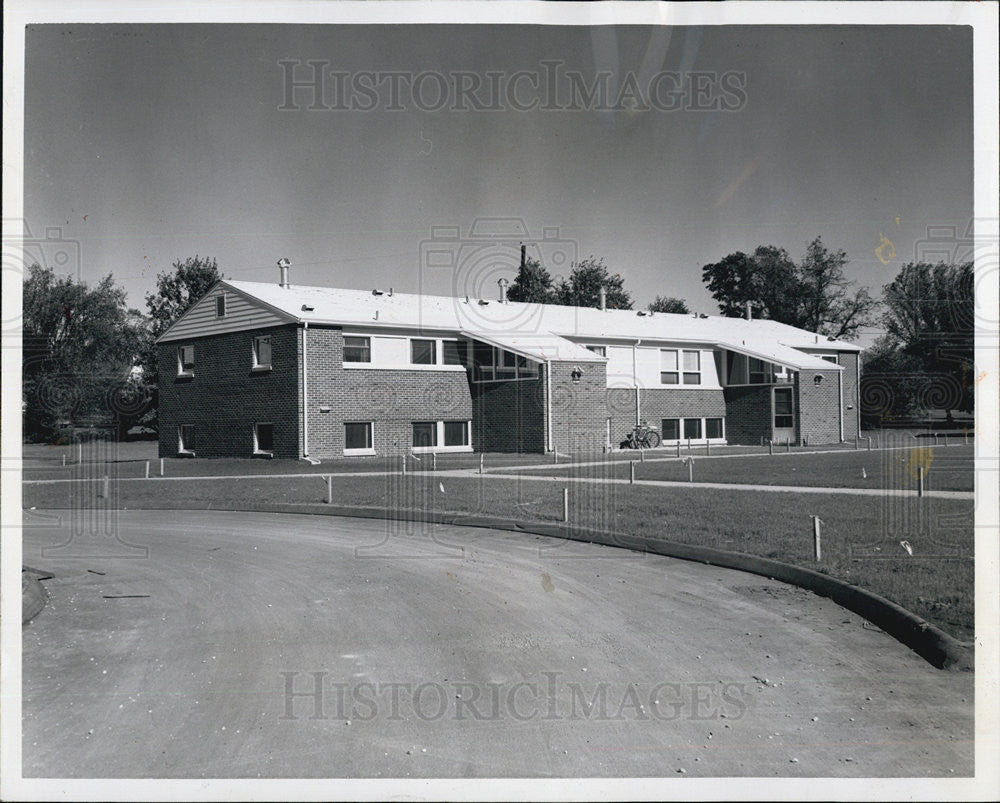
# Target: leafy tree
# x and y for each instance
(812, 295)
(80, 346)
(669, 304)
(533, 284)
(582, 288)
(176, 292)
(179, 290)
(929, 318)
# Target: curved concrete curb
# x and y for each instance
(927, 640)
(33, 593)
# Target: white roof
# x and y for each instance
(539, 330)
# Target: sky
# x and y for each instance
(145, 144)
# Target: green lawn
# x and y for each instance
(861, 535)
(946, 469)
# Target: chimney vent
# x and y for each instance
(603, 295)
(524, 257)
(503, 282)
(749, 312)
(283, 265)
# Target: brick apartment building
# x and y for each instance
(272, 370)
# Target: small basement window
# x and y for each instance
(456, 433)
(263, 438)
(424, 434)
(185, 439)
(692, 428)
(185, 360)
(358, 438)
(713, 428)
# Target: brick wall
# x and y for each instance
(392, 399)
(509, 416)
(579, 409)
(748, 414)
(224, 398)
(655, 404)
(852, 411)
(817, 407)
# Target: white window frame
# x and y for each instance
(257, 365)
(180, 439)
(403, 362)
(347, 362)
(685, 372)
(440, 448)
(774, 406)
(523, 368)
(434, 347)
(682, 438)
(180, 359)
(600, 350)
(364, 451)
(676, 370)
(256, 443)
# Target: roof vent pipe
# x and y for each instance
(603, 296)
(503, 282)
(283, 265)
(749, 313)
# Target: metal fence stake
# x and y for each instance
(631, 471)
(481, 463)
(788, 445)
(869, 443)
(64, 460)
(690, 469)
(404, 463)
(434, 462)
(565, 504)
(678, 448)
(770, 446)
(147, 469)
(642, 455)
(708, 447)
(817, 548)
(104, 487)
(79, 452)
(161, 466)
(329, 489)
(920, 480)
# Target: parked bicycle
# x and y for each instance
(643, 437)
